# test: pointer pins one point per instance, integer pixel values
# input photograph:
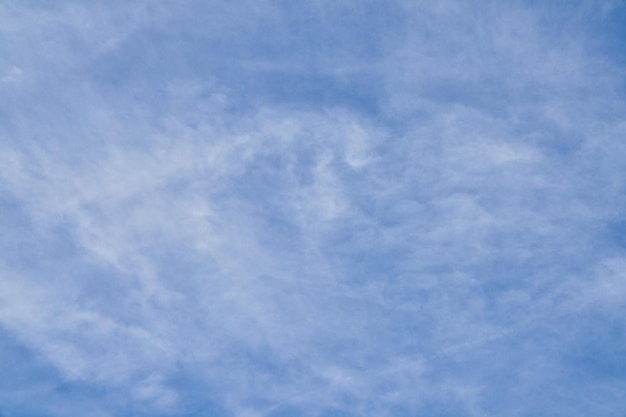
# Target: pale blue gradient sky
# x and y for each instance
(316, 208)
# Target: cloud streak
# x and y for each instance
(253, 209)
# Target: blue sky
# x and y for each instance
(312, 208)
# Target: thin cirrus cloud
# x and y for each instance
(326, 209)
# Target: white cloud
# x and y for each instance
(284, 254)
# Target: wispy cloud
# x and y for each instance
(258, 209)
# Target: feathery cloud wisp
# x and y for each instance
(353, 208)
